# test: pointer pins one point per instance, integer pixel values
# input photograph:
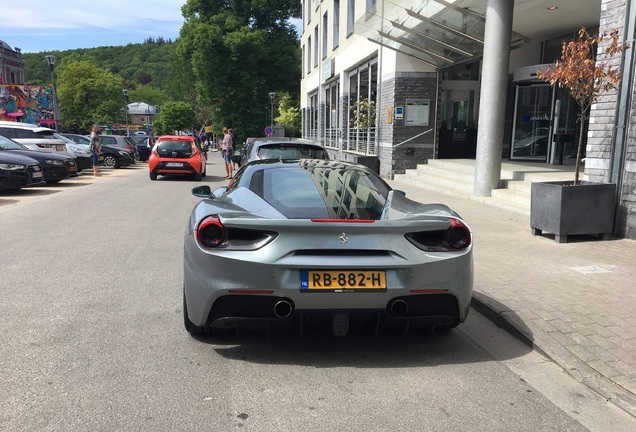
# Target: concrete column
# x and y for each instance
(492, 106)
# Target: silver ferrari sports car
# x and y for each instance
(315, 242)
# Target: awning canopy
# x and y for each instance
(435, 32)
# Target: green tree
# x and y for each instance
(586, 76)
(239, 51)
(148, 94)
(88, 95)
(289, 115)
(177, 116)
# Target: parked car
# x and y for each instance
(122, 142)
(291, 243)
(17, 171)
(33, 137)
(177, 155)
(281, 149)
(78, 138)
(113, 157)
(141, 141)
(79, 153)
(55, 167)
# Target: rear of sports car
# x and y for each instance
(404, 271)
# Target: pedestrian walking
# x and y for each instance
(95, 147)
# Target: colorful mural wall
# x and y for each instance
(27, 104)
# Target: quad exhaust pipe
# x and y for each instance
(283, 309)
(398, 308)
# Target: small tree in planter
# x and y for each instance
(572, 208)
(584, 76)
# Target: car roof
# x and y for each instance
(175, 138)
(20, 125)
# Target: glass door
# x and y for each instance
(532, 127)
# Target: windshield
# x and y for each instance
(7, 144)
(291, 151)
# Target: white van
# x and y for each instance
(33, 137)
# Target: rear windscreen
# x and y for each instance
(291, 151)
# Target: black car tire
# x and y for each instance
(153, 176)
(110, 161)
(197, 177)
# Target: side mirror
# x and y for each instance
(202, 191)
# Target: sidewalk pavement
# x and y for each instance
(575, 301)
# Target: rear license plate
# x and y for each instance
(174, 164)
(336, 280)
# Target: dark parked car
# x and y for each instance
(17, 171)
(121, 142)
(279, 148)
(54, 166)
(141, 141)
(113, 157)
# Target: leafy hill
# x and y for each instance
(146, 63)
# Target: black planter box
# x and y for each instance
(562, 209)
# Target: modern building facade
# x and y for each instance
(394, 84)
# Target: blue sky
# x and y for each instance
(70, 24)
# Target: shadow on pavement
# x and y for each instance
(360, 348)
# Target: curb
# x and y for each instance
(507, 320)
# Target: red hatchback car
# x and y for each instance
(177, 155)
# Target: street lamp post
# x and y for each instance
(125, 92)
(56, 114)
(271, 96)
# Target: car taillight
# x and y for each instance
(455, 237)
(210, 233)
(458, 235)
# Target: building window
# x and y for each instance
(324, 35)
(316, 46)
(351, 16)
(308, 55)
(336, 23)
(13, 80)
(308, 11)
(313, 115)
(363, 85)
(332, 127)
(371, 6)
(302, 63)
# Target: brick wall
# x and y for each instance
(395, 92)
(599, 150)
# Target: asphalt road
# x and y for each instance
(92, 338)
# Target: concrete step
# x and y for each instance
(513, 196)
(443, 180)
(456, 177)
